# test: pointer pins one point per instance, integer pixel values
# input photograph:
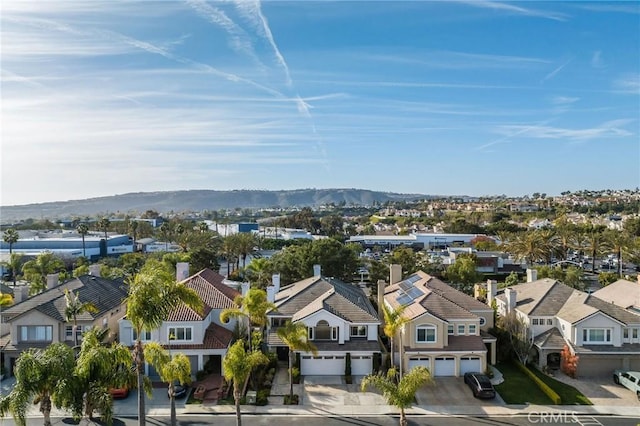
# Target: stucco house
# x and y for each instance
(200, 336)
(39, 320)
(340, 320)
(603, 335)
(623, 293)
(447, 330)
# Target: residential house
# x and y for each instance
(202, 337)
(602, 334)
(447, 330)
(38, 321)
(623, 293)
(340, 319)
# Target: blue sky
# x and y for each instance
(457, 97)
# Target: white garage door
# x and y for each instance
(415, 361)
(325, 365)
(361, 365)
(445, 366)
(470, 364)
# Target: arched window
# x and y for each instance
(425, 333)
(323, 330)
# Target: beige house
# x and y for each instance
(447, 330)
(38, 321)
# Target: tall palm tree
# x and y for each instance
(203, 227)
(11, 237)
(103, 225)
(253, 306)
(74, 307)
(618, 242)
(246, 244)
(83, 230)
(36, 271)
(133, 228)
(41, 376)
(393, 323)
(398, 392)
(595, 246)
(236, 367)
(259, 272)
(100, 367)
(165, 230)
(295, 336)
(153, 295)
(176, 368)
(14, 264)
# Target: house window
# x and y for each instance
(596, 335)
(534, 321)
(472, 329)
(180, 333)
(323, 331)
(359, 331)
(482, 321)
(425, 334)
(549, 321)
(625, 333)
(450, 329)
(68, 332)
(460, 329)
(310, 333)
(635, 333)
(146, 335)
(279, 322)
(36, 333)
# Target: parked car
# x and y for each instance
(179, 391)
(628, 379)
(480, 385)
(119, 393)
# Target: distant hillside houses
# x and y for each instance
(416, 241)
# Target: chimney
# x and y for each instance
(271, 294)
(510, 295)
(182, 271)
(275, 281)
(492, 289)
(317, 270)
(477, 291)
(20, 294)
(52, 281)
(95, 269)
(395, 274)
(244, 288)
(381, 285)
(532, 275)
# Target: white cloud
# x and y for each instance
(513, 9)
(609, 129)
(596, 59)
(628, 83)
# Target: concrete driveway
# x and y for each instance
(452, 391)
(602, 391)
(332, 391)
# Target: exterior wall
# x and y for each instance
(600, 321)
(214, 317)
(488, 319)
(35, 318)
(538, 329)
(432, 355)
(566, 329)
(409, 338)
(197, 333)
(334, 321)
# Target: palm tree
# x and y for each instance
(259, 272)
(14, 264)
(530, 246)
(594, 246)
(246, 244)
(153, 295)
(103, 225)
(203, 227)
(41, 376)
(83, 230)
(10, 237)
(176, 368)
(295, 336)
(393, 323)
(253, 306)
(399, 393)
(133, 228)
(165, 230)
(236, 366)
(618, 242)
(100, 367)
(74, 307)
(36, 271)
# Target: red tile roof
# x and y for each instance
(215, 337)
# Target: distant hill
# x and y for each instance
(199, 200)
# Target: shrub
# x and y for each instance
(569, 362)
(347, 365)
(262, 397)
(292, 401)
(296, 375)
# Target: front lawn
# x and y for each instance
(517, 388)
(568, 394)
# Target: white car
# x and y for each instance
(628, 379)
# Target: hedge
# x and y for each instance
(555, 398)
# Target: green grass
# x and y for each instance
(569, 394)
(517, 388)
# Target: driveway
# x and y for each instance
(333, 391)
(452, 391)
(602, 391)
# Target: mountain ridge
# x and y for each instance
(199, 200)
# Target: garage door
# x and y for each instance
(419, 360)
(325, 365)
(361, 365)
(445, 366)
(470, 364)
(597, 366)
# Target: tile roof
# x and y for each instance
(550, 339)
(544, 297)
(215, 337)
(214, 295)
(104, 293)
(308, 296)
(623, 293)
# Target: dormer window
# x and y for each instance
(425, 333)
